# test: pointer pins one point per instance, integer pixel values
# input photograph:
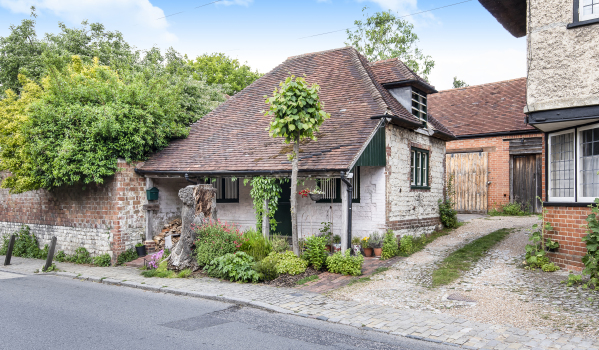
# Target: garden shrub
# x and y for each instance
(126, 256)
(216, 239)
(591, 258)
(345, 264)
(407, 244)
(161, 271)
(447, 214)
(316, 253)
(102, 260)
(375, 240)
(255, 245)
(509, 209)
(26, 245)
(235, 267)
(267, 269)
(279, 244)
(390, 248)
(287, 262)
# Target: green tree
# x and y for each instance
(383, 36)
(457, 83)
(218, 68)
(297, 114)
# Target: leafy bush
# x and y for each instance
(184, 273)
(287, 262)
(126, 256)
(536, 256)
(235, 267)
(345, 264)
(81, 256)
(279, 244)
(509, 209)
(267, 269)
(316, 253)
(376, 240)
(102, 260)
(216, 239)
(447, 213)
(60, 256)
(550, 267)
(390, 248)
(255, 245)
(161, 271)
(26, 245)
(406, 244)
(591, 258)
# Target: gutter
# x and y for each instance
(399, 121)
(503, 133)
(429, 89)
(188, 174)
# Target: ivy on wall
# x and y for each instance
(265, 188)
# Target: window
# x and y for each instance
(419, 168)
(561, 167)
(589, 9)
(588, 163)
(227, 190)
(419, 104)
(332, 188)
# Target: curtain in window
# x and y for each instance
(589, 161)
(562, 165)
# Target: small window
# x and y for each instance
(419, 168)
(589, 9)
(227, 190)
(419, 104)
(332, 188)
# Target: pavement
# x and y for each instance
(432, 327)
(468, 217)
(46, 312)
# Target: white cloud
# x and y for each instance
(135, 18)
(236, 2)
(401, 6)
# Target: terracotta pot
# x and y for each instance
(367, 252)
(327, 247)
(378, 252)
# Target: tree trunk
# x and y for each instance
(294, 168)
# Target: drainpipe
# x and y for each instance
(349, 200)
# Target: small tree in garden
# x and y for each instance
(297, 114)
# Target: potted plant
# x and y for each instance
(356, 246)
(316, 194)
(141, 249)
(325, 232)
(376, 243)
(336, 243)
(366, 247)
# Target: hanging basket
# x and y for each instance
(315, 196)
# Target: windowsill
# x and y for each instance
(420, 187)
(227, 201)
(582, 23)
(567, 204)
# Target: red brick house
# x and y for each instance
(496, 158)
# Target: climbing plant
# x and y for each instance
(265, 188)
(591, 258)
(536, 256)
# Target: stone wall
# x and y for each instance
(412, 211)
(102, 218)
(499, 164)
(562, 69)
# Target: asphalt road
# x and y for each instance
(49, 312)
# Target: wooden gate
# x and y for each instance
(526, 181)
(470, 175)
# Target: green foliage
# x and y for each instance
(326, 232)
(26, 245)
(406, 245)
(536, 256)
(267, 269)
(255, 245)
(375, 240)
(215, 239)
(265, 188)
(316, 253)
(463, 259)
(573, 279)
(81, 256)
(457, 83)
(591, 258)
(218, 68)
(336, 239)
(550, 267)
(286, 262)
(102, 260)
(345, 264)
(235, 267)
(410, 245)
(509, 209)
(390, 248)
(296, 110)
(447, 213)
(160, 272)
(385, 35)
(126, 256)
(279, 244)
(307, 279)
(184, 273)
(139, 245)
(60, 256)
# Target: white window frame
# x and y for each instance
(420, 104)
(550, 197)
(581, 16)
(578, 141)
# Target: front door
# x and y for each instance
(283, 213)
(526, 181)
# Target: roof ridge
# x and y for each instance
(320, 52)
(384, 61)
(374, 92)
(485, 84)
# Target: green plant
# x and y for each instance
(591, 258)
(235, 267)
(26, 245)
(380, 269)
(376, 240)
(255, 245)
(536, 256)
(216, 239)
(345, 264)
(184, 273)
(358, 280)
(550, 267)
(364, 242)
(447, 213)
(573, 279)
(267, 269)
(102, 260)
(390, 248)
(265, 189)
(307, 279)
(355, 241)
(60, 256)
(50, 268)
(463, 259)
(160, 272)
(81, 256)
(336, 239)
(325, 231)
(510, 209)
(287, 262)
(279, 244)
(551, 245)
(217, 68)
(406, 245)
(139, 244)
(126, 256)
(316, 253)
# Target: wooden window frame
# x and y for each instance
(227, 200)
(419, 171)
(422, 107)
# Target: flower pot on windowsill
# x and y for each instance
(378, 252)
(367, 252)
(315, 196)
(141, 251)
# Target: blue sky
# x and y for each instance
(464, 40)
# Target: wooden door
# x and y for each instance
(470, 175)
(283, 213)
(526, 181)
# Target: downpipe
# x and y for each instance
(349, 211)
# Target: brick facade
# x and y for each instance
(570, 226)
(105, 218)
(499, 163)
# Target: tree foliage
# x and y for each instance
(218, 68)
(384, 35)
(457, 83)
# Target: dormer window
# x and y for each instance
(589, 9)
(419, 103)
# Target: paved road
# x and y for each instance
(49, 312)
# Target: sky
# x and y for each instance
(464, 40)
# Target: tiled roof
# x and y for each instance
(234, 136)
(393, 71)
(482, 109)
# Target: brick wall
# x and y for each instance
(102, 218)
(499, 164)
(570, 226)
